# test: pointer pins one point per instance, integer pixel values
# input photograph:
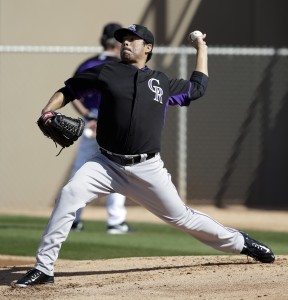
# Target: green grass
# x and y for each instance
(21, 236)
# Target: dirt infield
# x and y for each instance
(190, 277)
(211, 277)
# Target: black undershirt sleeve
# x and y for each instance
(200, 78)
(68, 96)
(200, 83)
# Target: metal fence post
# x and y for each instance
(182, 136)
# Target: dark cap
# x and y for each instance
(139, 30)
(108, 32)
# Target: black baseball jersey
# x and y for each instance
(134, 103)
(92, 101)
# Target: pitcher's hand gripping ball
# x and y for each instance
(63, 130)
(193, 35)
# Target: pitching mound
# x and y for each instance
(189, 277)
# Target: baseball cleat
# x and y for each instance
(257, 250)
(122, 228)
(34, 277)
(77, 226)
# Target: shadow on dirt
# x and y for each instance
(10, 274)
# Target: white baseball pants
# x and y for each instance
(115, 203)
(147, 183)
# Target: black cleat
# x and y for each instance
(77, 226)
(34, 277)
(122, 228)
(257, 250)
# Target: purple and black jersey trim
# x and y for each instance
(197, 86)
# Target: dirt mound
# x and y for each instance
(189, 277)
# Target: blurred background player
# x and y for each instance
(88, 108)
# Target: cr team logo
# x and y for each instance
(156, 89)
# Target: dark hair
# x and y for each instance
(149, 56)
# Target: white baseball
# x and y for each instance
(88, 133)
(193, 35)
